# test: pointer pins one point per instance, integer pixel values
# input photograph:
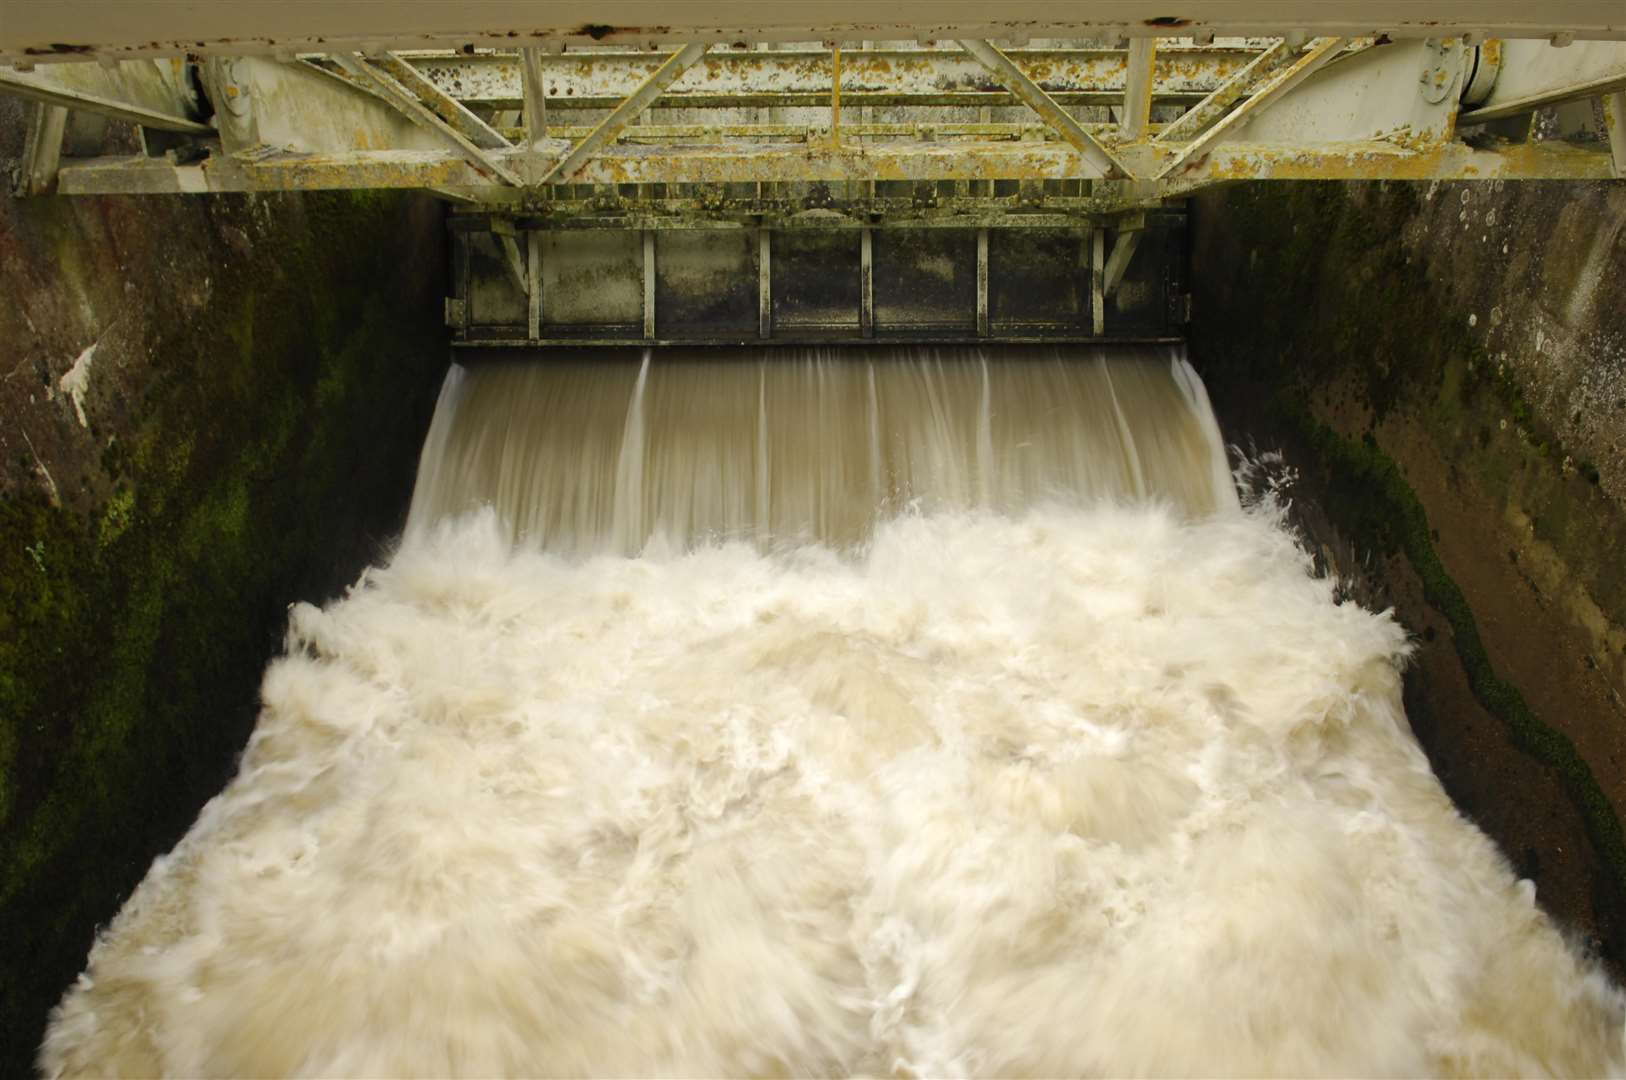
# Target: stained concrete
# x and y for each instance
(1445, 365)
(210, 407)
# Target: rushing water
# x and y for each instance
(1059, 763)
(812, 445)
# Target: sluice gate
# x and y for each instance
(729, 174)
(821, 627)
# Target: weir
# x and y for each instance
(590, 453)
(642, 539)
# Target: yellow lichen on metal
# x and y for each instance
(1361, 110)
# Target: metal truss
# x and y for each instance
(734, 122)
(127, 29)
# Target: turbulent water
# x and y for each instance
(1037, 779)
(814, 445)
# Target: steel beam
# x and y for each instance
(1371, 160)
(858, 99)
(1379, 160)
(1406, 92)
(34, 88)
(649, 283)
(1098, 296)
(89, 29)
(1314, 58)
(533, 111)
(306, 107)
(982, 282)
(533, 307)
(448, 108)
(769, 132)
(1212, 107)
(42, 149)
(802, 77)
(764, 283)
(1099, 160)
(1535, 74)
(1059, 336)
(515, 263)
(876, 215)
(506, 236)
(1139, 79)
(1123, 252)
(534, 97)
(866, 284)
(420, 114)
(1614, 118)
(625, 113)
(835, 94)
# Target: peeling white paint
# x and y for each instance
(77, 381)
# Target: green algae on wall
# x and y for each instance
(1359, 299)
(1398, 335)
(259, 452)
(1384, 515)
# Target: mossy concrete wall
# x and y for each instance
(210, 407)
(1446, 366)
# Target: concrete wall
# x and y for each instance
(209, 408)
(1445, 365)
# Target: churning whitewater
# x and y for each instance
(1099, 785)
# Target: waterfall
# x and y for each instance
(585, 454)
(923, 712)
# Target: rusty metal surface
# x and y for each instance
(770, 132)
(766, 282)
(504, 348)
(1532, 75)
(1096, 157)
(785, 120)
(1226, 161)
(119, 100)
(77, 29)
(746, 77)
(1214, 106)
(683, 215)
(1272, 90)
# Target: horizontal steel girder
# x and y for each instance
(165, 115)
(1227, 161)
(81, 29)
(1374, 109)
(868, 76)
(882, 214)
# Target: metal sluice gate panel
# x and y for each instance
(815, 278)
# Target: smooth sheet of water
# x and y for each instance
(586, 455)
(1050, 760)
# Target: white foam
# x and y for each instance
(1084, 791)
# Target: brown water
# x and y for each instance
(1077, 771)
(592, 453)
